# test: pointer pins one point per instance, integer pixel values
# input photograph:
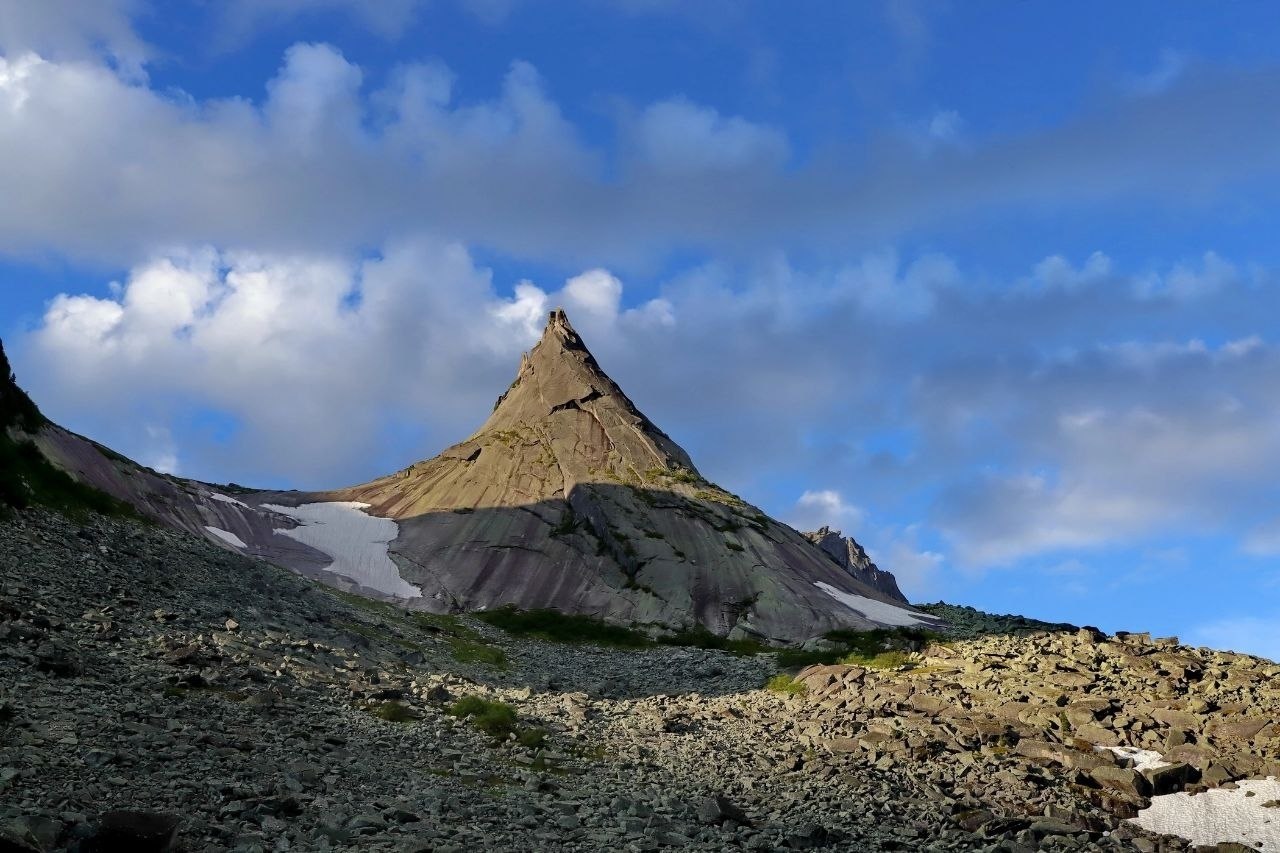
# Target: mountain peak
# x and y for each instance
(568, 497)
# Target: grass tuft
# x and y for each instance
(392, 712)
(496, 719)
(783, 683)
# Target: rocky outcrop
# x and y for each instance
(851, 557)
(1053, 722)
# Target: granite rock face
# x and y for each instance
(853, 559)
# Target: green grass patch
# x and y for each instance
(884, 660)
(371, 605)
(793, 658)
(782, 683)
(467, 644)
(496, 719)
(701, 638)
(881, 648)
(733, 546)
(392, 712)
(562, 627)
(468, 651)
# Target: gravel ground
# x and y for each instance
(147, 671)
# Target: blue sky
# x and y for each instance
(992, 287)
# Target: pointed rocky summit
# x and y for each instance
(569, 498)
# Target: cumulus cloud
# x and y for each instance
(1116, 444)
(310, 355)
(680, 137)
(74, 30)
(330, 157)
(824, 508)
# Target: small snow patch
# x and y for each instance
(227, 500)
(227, 536)
(876, 611)
(355, 541)
(1143, 759)
(1218, 815)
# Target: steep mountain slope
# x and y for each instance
(852, 557)
(566, 498)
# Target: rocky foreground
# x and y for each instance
(159, 693)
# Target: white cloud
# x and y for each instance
(74, 30)
(112, 169)
(681, 137)
(915, 567)
(310, 355)
(825, 508)
(163, 454)
(1184, 281)
(1056, 272)
(1263, 540)
(1119, 444)
(890, 293)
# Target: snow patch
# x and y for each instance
(227, 536)
(876, 611)
(1219, 814)
(355, 541)
(1143, 759)
(227, 500)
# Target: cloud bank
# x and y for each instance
(329, 156)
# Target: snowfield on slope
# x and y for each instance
(1219, 814)
(226, 536)
(1143, 759)
(876, 611)
(355, 541)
